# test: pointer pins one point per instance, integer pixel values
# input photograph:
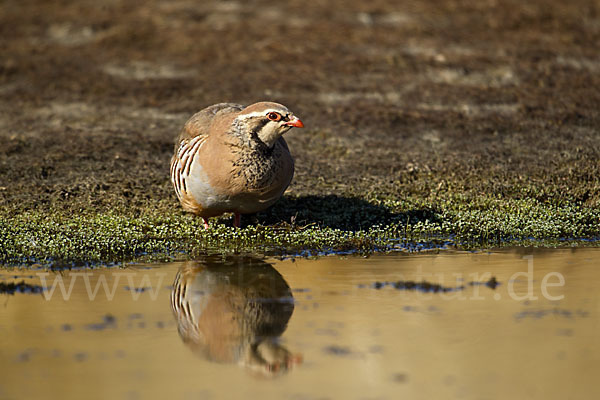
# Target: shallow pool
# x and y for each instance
(520, 323)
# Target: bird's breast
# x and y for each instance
(241, 180)
(263, 171)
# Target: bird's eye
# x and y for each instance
(273, 116)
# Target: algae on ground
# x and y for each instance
(307, 225)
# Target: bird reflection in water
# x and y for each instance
(233, 310)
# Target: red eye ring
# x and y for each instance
(273, 116)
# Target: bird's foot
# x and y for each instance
(237, 220)
(206, 226)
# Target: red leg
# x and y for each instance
(205, 223)
(237, 219)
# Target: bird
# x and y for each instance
(231, 158)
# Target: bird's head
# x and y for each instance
(266, 122)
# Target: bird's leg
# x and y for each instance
(205, 223)
(237, 219)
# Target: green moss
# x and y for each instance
(306, 225)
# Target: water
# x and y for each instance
(310, 329)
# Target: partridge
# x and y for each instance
(231, 158)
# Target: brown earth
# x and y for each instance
(399, 98)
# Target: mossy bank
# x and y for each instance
(337, 225)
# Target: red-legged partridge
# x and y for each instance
(231, 158)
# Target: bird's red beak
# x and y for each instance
(295, 122)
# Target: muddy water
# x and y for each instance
(339, 328)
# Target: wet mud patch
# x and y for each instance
(340, 351)
(428, 287)
(108, 321)
(20, 287)
(555, 312)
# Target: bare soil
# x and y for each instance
(400, 99)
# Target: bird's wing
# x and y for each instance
(188, 143)
(199, 123)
